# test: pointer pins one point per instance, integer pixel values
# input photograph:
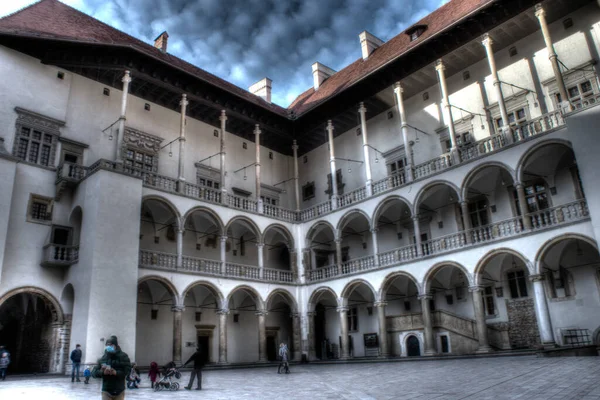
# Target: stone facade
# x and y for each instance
(522, 324)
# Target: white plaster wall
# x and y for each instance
(7, 181)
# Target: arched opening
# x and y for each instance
(280, 326)
(571, 268)
(321, 242)
(202, 241)
(413, 346)
(200, 327)
(278, 241)
(242, 330)
(326, 324)
(440, 225)
(154, 322)
(394, 224)
(553, 192)
(359, 297)
(158, 234)
(30, 325)
(75, 221)
(243, 240)
(508, 298)
(356, 242)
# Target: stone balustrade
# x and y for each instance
(358, 264)
(201, 265)
(538, 125)
(496, 230)
(280, 213)
(322, 273)
(242, 271)
(352, 197)
(59, 255)
(241, 203)
(398, 255)
(315, 211)
(482, 147)
(390, 182)
(574, 211)
(432, 166)
(444, 243)
(203, 193)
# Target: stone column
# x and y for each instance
(121, 132)
(344, 351)
(363, 127)
(296, 176)
(523, 206)
(482, 330)
(487, 44)
(404, 127)
(562, 89)
(312, 354)
(262, 335)
(338, 254)
(223, 313)
(177, 327)
(447, 108)
(541, 311)
(296, 336)
(223, 119)
(383, 341)
(464, 206)
(223, 254)
(427, 325)
(260, 251)
(180, 247)
(181, 177)
(294, 263)
(334, 192)
(375, 246)
(417, 230)
(259, 202)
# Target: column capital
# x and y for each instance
(181, 230)
(464, 203)
(486, 40)
(539, 10)
(222, 311)
(223, 116)
(294, 145)
(260, 244)
(257, 130)
(426, 296)
(415, 218)
(184, 102)
(341, 309)
(380, 304)
(178, 308)
(374, 230)
(362, 108)
(398, 87)
(261, 313)
(536, 277)
(338, 241)
(127, 77)
(223, 238)
(518, 185)
(439, 65)
(475, 288)
(330, 125)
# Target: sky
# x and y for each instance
(243, 41)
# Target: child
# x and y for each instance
(4, 361)
(153, 373)
(133, 379)
(86, 375)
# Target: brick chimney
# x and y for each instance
(262, 89)
(368, 43)
(320, 73)
(161, 41)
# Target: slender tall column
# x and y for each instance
(223, 253)
(262, 336)
(223, 119)
(296, 175)
(417, 230)
(338, 254)
(180, 247)
(427, 325)
(257, 133)
(296, 336)
(223, 313)
(482, 330)
(344, 351)
(487, 44)
(310, 319)
(404, 127)
(181, 177)
(562, 89)
(334, 192)
(439, 67)
(260, 250)
(541, 311)
(375, 246)
(363, 127)
(121, 132)
(177, 325)
(294, 263)
(383, 344)
(464, 206)
(523, 205)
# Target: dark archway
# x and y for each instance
(413, 348)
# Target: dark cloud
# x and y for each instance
(243, 41)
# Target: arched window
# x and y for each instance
(517, 283)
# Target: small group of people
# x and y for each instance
(4, 361)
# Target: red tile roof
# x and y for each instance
(52, 19)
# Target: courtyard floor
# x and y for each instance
(524, 377)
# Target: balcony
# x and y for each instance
(56, 255)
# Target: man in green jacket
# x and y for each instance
(113, 367)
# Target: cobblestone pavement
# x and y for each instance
(482, 378)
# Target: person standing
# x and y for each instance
(86, 374)
(153, 373)
(4, 361)
(284, 356)
(113, 367)
(198, 359)
(76, 360)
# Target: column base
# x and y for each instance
(484, 350)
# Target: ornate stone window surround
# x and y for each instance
(513, 103)
(139, 141)
(574, 77)
(206, 174)
(34, 121)
(36, 199)
(463, 129)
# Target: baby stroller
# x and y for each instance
(167, 382)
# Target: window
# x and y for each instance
(147, 106)
(60, 75)
(390, 114)
(198, 316)
(269, 200)
(517, 283)
(478, 213)
(535, 196)
(407, 305)
(36, 137)
(40, 209)
(460, 292)
(61, 235)
(358, 131)
(560, 283)
(352, 319)
(340, 184)
(488, 300)
(581, 83)
(416, 31)
(567, 23)
(244, 145)
(270, 155)
(153, 314)
(425, 96)
(512, 51)
(305, 159)
(515, 118)
(106, 91)
(308, 191)
(466, 75)
(216, 133)
(445, 345)
(139, 160)
(578, 93)
(462, 139)
(208, 183)
(396, 166)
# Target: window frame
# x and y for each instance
(46, 127)
(142, 143)
(48, 202)
(352, 317)
(305, 196)
(520, 282)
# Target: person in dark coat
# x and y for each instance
(113, 367)
(76, 360)
(198, 360)
(153, 373)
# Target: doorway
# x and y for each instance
(204, 346)
(413, 348)
(320, 350)
(271, 348)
